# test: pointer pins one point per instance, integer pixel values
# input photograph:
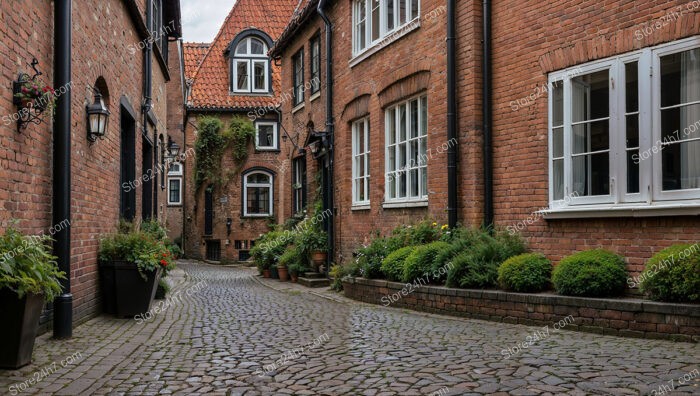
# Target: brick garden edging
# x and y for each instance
(620, 317)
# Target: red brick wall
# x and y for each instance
(102, 34)
(528, 44)
(176, 131)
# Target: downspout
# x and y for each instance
(487, 118)
(330, 127)
(451, 115)
(63, 305)
(148, 89)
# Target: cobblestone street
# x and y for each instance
(228, 333)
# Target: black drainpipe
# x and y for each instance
(487, 109)
(63, 305)
(148, 89)
(451, 116)
(329, 127)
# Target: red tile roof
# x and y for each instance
(194, 54)
(211, 80)
(306, 9)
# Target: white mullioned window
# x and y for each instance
(406, 151)
(626, 130)
(257, 194)
(175, 184)
(360, 162)
(250, 67)
(266, 135)
(373, 20)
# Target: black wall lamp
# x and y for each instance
(97, 117)
(229, 222)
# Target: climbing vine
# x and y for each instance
(213, 140)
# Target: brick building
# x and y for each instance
(229, 78)
(545, 138)
(119, 48)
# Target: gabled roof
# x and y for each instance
(306, 9)
(194, 54)
(210, 90)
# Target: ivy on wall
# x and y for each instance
(212, 142)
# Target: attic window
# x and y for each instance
(250, 67)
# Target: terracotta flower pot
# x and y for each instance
(283, 273)
(266, 273)
(319, 258)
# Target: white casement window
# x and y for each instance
(257, 194)
(360, 162)
(175, 184)
(266, 135)
(406, 152)
(298, 78)
(250, 67)
(373, 20)
(626, 130)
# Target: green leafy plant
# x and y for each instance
(209, 149)
(419, 263)
(40, 94)
(139, 248)
(673, 274)
(269, 248)
(525, 273)
(312, 240)
(239, 134)
(478, 267)
(163, 289)
(290, 256)
(369, 258)
(393, 264)
(26, 266)
(155, 229)
(341, 272)
(592, 273)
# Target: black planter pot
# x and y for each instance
(124, 292)
(20, 324)
(273, 272)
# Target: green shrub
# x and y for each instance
(592, 273)
(526, 273)
(420, 262)
(393, 264)
(673, 274)
(27, 266)
(140, 248)
(417, 234)
(155, 229)
(478, 266)
(269, 248)
(369, 258)
(339, 272)
(461, 241)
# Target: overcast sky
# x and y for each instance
(201, 19)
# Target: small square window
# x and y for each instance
(266, 136)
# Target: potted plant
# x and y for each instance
(293, 269)
(35, 93)
(29, 277)
(130, 267)
(163, 289)
(318, 246)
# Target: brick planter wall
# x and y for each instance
(622, 317)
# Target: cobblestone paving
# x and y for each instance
(229, 334)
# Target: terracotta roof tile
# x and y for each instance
(306, 9)
(211, 80)
(194, 54)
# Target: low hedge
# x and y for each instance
(525, 273)
(673, 274)
(591, 273)
(393, 264)
(419, 263)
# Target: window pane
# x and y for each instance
(414, 9)
(632, 172)
(681, 166)
(414, 183)
(632, 89)
(402, 123)
(175, 191)
(258, 178)
(424, 185)
(558, 142)
(557, 103)
(266, 135)
(424, 116)
(590, 96)
(257, 47)
(392, 185)
(242, 48)
(389, 14)
(558, 185)
(632, 128)
(680, 74)
(259, 75)
(680, 123)
(402, 12)
(414, 119)
(392, 158)
(242, 70)
(376, 24)
(402, 184)
(591, 174)
(590, 137)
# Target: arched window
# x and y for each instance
(257, 193)
(250, 66)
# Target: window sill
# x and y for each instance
(385, 42)
(298, 107)
(360, 207)
(405, 204)
(174, 205)
(264, 94)
(267, 150)
(315, 96)
(622, 210)
(256, 217)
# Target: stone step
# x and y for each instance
(315, 282)
(314, 275)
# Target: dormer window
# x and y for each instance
(250, 67)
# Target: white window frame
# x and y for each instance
(269, 185)
(250, 60)
(258, 146)
(650, 193)
(421, 166)
(363, 157)
(175, 175)
(384, 31)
